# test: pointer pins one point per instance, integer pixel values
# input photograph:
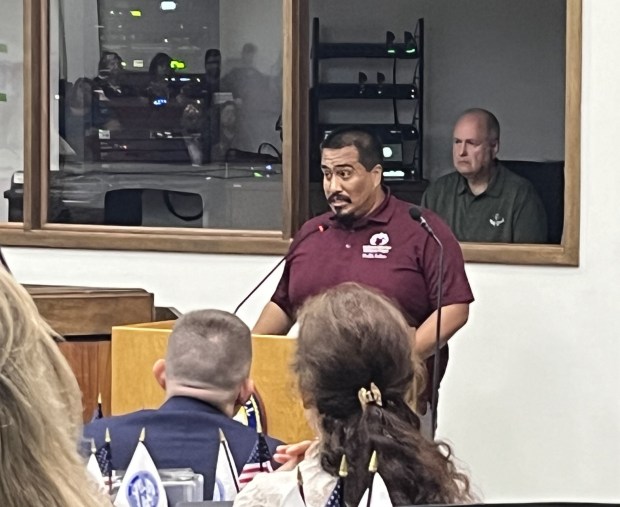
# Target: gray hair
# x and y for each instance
(209, 349)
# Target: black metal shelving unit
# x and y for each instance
(396, 132)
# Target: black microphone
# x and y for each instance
(320, 228)
(416, 214)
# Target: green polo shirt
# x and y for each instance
(508, 211)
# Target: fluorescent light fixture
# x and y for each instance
(169, 5)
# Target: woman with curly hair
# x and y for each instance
(40, 412)
(358, 379)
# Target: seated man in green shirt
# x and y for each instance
(482, 200)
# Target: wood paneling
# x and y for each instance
(85, 317)
(78, 311)
(91, 363)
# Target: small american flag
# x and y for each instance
(259, 461)
(104, 458)
(336, 499)
(104, 455)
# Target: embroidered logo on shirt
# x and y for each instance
(377, 247)
(497, 220)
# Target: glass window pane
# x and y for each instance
(11, 111)
(165, 114)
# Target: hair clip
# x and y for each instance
(372, 395)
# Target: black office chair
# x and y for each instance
(548, 181)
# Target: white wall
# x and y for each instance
(530, 400)
(504, 55)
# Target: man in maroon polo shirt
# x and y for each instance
(369, 237)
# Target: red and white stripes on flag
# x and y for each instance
(258, 462)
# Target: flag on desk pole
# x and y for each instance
(259, 459)
(104, 458)
(141, 484)
(226, 480)
(98, 412)
(377, 494)
(93, 469)
(336, 499)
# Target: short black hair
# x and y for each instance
(368, 144)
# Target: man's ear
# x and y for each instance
(159, 372)
(377, 173)
(246, 390)
(495, 148)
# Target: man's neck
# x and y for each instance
(349, 220)
(479, 182)
(207, 396)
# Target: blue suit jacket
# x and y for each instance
(182, 433)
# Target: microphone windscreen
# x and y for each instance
(416, 213)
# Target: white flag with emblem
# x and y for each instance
(141, 485)
(95, 472)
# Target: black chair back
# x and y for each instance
(548, 180)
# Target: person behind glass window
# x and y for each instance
(40, 412)
(254, 97)
(227, 133)
(358, 377)
(200, 119)
(82, 118)
(160, 71)
(109, 76)
(482, 200)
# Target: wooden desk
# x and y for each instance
(84, 316)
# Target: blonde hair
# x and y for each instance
(40, 411)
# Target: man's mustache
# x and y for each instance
(338, 197)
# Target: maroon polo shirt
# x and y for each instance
(386, 250)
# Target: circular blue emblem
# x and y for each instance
(142, 490)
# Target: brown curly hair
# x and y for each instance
(350, 337)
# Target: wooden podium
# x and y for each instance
(84, 316)
(135, 348)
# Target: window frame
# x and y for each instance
(36, 232)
